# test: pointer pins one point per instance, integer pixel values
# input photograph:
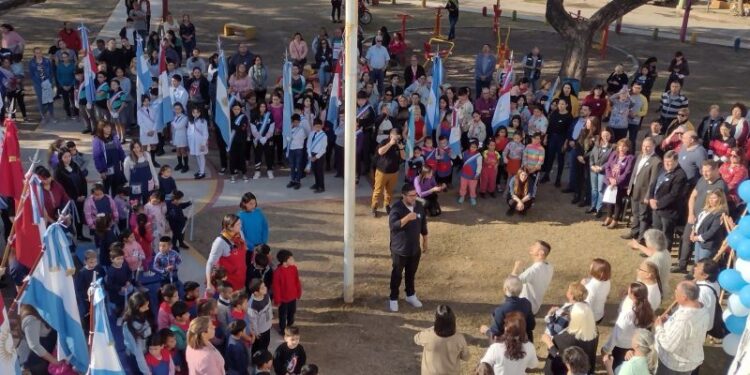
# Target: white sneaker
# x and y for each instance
(412, 300)
(393, 305)
(270, 175)
(256, 175)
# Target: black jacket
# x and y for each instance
(409, 75)
(510, 305)
(74, 182)
(670, 193)
(405, 241)
(712, 231)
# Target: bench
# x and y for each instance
(236, 28)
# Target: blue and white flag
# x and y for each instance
(501, 117)
(221, 115)
(89, 68)
(165, 91)
(51, 291)
(9, 362)
(409, 146)
(104, 359)
(332, 113)
(286, 129)
(432, 118)
(143, 75)
(551, 94)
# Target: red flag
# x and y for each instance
(28, 234)
(11, 185)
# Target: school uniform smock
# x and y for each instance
(147, 124)
(263, 129)
(197, 135)
(179, 131)
(140, 175)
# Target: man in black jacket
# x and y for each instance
(512, 288)
(407, 222)
(667, 196)
(413, 71)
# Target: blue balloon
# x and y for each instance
(745, 295)
(744, 191)
(735, 239)
(732, 281)
(735, 324)
(743, 226)
(743, 250)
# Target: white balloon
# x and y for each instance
(725, 315)
(736, 307)
(730, 344)
(743, 267)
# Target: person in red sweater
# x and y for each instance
(287, 289)
(71, 37)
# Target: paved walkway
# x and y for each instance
(715, 27)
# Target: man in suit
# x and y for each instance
(413, 71)
(666, 196)
(646, 170)
(710, 181)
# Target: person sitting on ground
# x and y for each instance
(521, 192)
(513, 353)
(444, 348)
(512, 288)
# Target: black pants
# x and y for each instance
(686, 246)
(338, 160)
(278, 144)
(68, 105)
(260, 150)
(336, 9)
(79, 218)
(614, 210)
(431, 205)
(641, 219)
(618, 355)
(555, 143)
(262, 341)
(222, 146)
(318, 169)
(286, 314)
(618, 134)
(406, 265)
(178, 235)
(666, 224)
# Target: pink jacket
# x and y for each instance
(205, 361)
(297, 50)
(89, 210)
(133, 254)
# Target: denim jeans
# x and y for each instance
(295, 164)
(452, 32)
(378, 75)
(323, 76)
(597, 182)
(700, 252)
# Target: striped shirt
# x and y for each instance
(533, 156)
(671, 104)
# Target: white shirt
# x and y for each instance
(179, 94)
(316, 144)
(297, 138)
(535, 281)
(679, 341)
(597, 296)
(495, 357)
(653, 297)
(708, 298)
(622, 332)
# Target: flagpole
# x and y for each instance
(19, 204)
(26, 281)
(91, 315)
(350, 102)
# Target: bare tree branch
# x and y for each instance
(560, 19)
(611, 12)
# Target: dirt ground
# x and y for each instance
(471, 251)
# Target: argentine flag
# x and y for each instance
(410, 135)
(89, 68)
(143, 76)
(551, 94)
(167, 113)
(332, 114)
(104, 359)
(432, 118)
(50, 290)
(286, 130)
(454, 140)
(501, 117)
(9, 361)
(221, 117)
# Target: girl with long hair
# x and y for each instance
(635, 312)
(513, 353)
(139, 172)
(521, 192)
(428, 189)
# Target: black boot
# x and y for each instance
(153, 159)
(185, 166)
(178, 167)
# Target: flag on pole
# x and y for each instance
(501, 117)
(432, 118)
(29, 223)
(410, 135)
(143, 75)
(286, 130)
(164, 90)
(11, 184)
(89, 68)
(8, 355)
(551, 94)
(104, 359)
(334, 101)
(51, 291)
(221, 115)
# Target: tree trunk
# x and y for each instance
(576, 58)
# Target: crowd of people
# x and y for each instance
(677, 185)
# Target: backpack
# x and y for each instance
(718, 329)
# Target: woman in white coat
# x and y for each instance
(197, 136)
(149, 136)
(179, 137)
